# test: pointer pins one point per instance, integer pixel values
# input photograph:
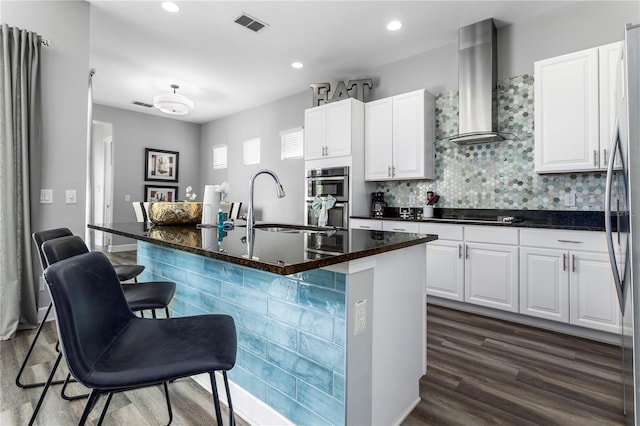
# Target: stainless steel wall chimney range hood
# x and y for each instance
(477, 85)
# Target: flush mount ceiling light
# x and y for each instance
(394, 25)
(172, 103)
(170, 6)
(297, 65)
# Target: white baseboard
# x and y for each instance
(408, 411)
(245, 405)
(122, 247)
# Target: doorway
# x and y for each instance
(102, 162)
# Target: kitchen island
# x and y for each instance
(331, 323)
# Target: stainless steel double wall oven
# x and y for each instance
(324, 182)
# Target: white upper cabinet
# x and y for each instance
(399, 137)
(574, 109)
(330, 128)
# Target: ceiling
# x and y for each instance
(139, 50)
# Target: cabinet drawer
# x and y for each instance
(491, 234)
(374, 225)
(400, 226)
(565, 239)
(444, 232)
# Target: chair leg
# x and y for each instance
(232, 418)
(64, 387)
(26, 358)
(166, 311)
(93, 398)
(153, 314)
(104, 409)
(166, 393)
(216, 401)
(45, 389)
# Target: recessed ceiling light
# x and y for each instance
(297, 65)
(170, 6)
(394, 25)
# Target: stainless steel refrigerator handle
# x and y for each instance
(607, 214)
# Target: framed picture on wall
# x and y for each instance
(161, 165)
(155, 193)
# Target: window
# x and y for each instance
(220, 157)
(291, 143)
(251, 151)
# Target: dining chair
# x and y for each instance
(106, 346)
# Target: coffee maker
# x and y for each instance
(377, 204)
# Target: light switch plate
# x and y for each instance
(71, 196)
(46, 196)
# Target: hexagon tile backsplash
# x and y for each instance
(498, 175)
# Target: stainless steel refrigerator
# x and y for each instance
(622, 215)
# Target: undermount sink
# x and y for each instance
(292, 229)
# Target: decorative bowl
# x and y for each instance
(180, 213)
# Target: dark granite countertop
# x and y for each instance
(550, 219)
(293, 249)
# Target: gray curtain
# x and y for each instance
(20, 121)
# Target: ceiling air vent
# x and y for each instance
(142, 104)
(250, 22)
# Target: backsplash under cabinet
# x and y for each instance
(498, 175)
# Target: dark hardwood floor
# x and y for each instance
(481, 371)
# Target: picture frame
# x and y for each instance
(158, 193)
(161, 165)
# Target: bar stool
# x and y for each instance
(110, 353)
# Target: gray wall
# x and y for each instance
(266, 122)
(132, 133)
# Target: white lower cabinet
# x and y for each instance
(544, 283)
(566, 276)
(491, 276)
(593, 300)
(372, 224)
(445, 261)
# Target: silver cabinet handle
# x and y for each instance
(459, 251)
(595, 157)
(399, 229)
(564, 261)
(570, 241)
(466, 252)
(393, 171)
(573, 263)
(606, 156)
(364, 227)
(388, 171)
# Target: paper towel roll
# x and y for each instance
(210, 204)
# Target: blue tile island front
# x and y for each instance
(300, 360)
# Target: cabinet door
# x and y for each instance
(593, 300)
(378, 134)
(339, 127)
(315, 132)
(445, 269)
(544, 283)
(566, 113)
(610, 82)
(408, 135)
(491, 276)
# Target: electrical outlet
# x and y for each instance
(360, 309)
(71, 196)
(570, 199)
